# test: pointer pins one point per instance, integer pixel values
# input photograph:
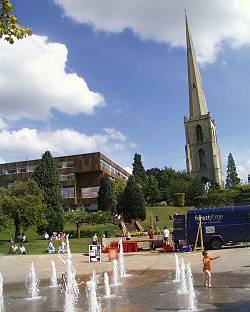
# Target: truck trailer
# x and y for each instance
(220, 226)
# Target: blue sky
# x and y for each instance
(111, 76)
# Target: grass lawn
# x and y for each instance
(163, 213)
(36, 245)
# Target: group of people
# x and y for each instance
(61, 237)
(17, 249)
(165, 236)
(54, 236)
(17, 245)
(61, 249)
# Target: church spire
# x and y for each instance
(197, 101)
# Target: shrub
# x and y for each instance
(216, 198)
(179, 199)
(244, 194)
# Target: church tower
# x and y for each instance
(202, 149)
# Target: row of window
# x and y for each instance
(17, 170)
(109, 167)
(65, 164)
(83, 192)
(66, 177)
(59, 165)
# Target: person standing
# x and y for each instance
(94, 239)
(165, 233)
(207, 267)
(151, 234)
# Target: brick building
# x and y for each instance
(80, 176)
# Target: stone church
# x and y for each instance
(202, 150)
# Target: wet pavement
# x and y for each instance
(149, 288)
(143, 291)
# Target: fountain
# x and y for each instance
(177, 269)
(182, 290)
(106, 284)
(1, 294)
(53, 280)
(94, 278)
(32, 283)
(72, 290)
(115, 278)
(121, 260)
(190, 288)
(94, 304)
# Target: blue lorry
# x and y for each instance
(220, 226)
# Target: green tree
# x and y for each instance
(82, 217)
(4, 219)
(151, 190)
(10, 27)
(106, 195)
(138, 169)
(23, 204)
(133, 203)
(232, 179)
(119, 187)
(46, 176)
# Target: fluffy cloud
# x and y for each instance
(33, 80)
(212, 22)
(59, 142)
(244, 170)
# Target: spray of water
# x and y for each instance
(72, 289)
(182, 290)
(121, 260)
(106, 285)
(94, 279)
(53, 279)
(32, 283)
(94, 303)
(1, 294)
(115, 275)
(177, 269)
(192, 302)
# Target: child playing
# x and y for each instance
(207, 267)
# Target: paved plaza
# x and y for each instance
(150, 286)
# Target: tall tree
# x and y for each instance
(119, 187)
(138, 169)
(151, 190)
(232, 179)
(10, 27)
(106, 195)
(23, 203)
(133, 203)
(47, 178)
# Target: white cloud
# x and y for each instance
(3, 124)
(115, 134)
(33, 80)
(212, 22)
(128, 169)
(23, 143)
(244, 170)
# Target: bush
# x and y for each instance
(217, 198)
(244, 194)
(200, 201)
(179, 199)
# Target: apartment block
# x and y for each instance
(80, 177)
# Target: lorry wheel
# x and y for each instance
(216, 244)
